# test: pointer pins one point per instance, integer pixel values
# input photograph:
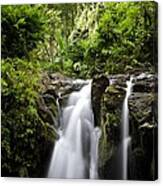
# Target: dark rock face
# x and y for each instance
(142, 151)
(111, 107)
(146, 83)
(143, 129)
(55, 88)
(99, 85)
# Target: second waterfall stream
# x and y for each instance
(75, 154)
(125, 130)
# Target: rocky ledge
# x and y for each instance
(55, 91)
(142, 151)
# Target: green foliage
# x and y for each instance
(20, 78)
(23, 132)
(124, 38)
(103, 37)
(58, 26)
(22, 27)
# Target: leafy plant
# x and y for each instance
(23, 132)
(22, 28)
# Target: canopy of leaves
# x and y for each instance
(22, 27)
(119, 37)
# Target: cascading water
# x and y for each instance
(76, 152)
(125, 129)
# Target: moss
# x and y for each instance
(104, 147)
(112, 90)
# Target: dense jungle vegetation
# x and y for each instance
(75, 40)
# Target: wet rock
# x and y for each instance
(119, 79)
(145, 83)
(143, 128)
(146, 126)
(99, 85)
(56, 88)
(46, 113)
(139, 164)
(111, 107)
(113, 97)
(53, 86)
(140, 106)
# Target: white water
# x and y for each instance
(125, 130)
(75, 154)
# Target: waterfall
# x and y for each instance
(75, 154)
(125, 130)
